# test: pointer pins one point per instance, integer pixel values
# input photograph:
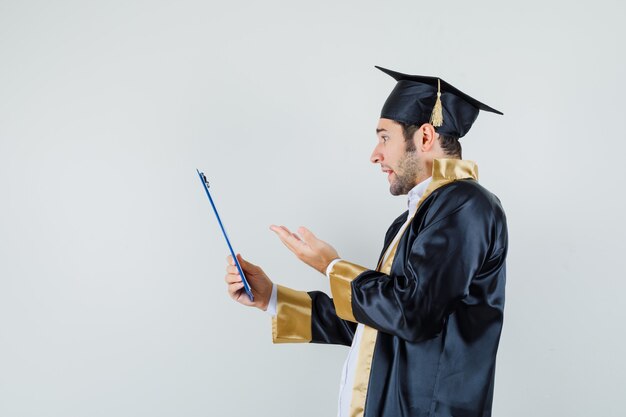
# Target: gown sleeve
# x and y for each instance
(303, 317)
(309, 317)
(439, 260)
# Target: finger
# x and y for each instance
(230, 260)
(292, 234)
(287, 230)
(279, 230)
(305, 232)
(232, 278)
(307, 235)
(295, 234)
(243, 298)
(294, 244)
(234, 288)
(232, 269)
(283, 234)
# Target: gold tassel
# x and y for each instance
(436, 118)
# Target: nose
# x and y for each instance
(377, 155)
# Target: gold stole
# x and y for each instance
(445, 171)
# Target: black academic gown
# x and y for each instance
(438, 312)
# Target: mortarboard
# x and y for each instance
(418, 99)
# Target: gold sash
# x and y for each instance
(444, 172)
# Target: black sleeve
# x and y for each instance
(326, 326)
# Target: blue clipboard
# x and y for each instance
(246, 286)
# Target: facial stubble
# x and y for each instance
(407, 173)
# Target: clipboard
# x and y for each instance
(246, 286)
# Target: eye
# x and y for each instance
(385, 138)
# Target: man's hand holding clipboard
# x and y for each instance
(260, 284)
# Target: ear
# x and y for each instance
(428, 137)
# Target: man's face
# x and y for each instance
(402, 167)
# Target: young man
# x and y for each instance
(424, 326)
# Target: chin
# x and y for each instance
(394, 190)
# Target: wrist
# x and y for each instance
(330, 266)
(270, 307)
(265, 302)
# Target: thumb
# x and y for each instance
(245, 264)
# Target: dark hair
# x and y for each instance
(450, 144)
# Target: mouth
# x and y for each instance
(389, 173)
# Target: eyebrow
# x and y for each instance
(380, 130)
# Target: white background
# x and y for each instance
(112, 301)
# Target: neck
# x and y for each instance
(426, 171)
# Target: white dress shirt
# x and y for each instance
(349, 366)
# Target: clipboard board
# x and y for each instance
(246, 286)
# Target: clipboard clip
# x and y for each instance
(204, 179)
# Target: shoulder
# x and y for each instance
(468, 190)
(466, 197)
(395, 226)
(400, 219)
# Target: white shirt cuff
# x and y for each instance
(331, 265)
(271, 306)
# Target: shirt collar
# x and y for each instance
(416, 193)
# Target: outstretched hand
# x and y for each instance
(309, 249)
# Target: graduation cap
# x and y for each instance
(418, 99)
